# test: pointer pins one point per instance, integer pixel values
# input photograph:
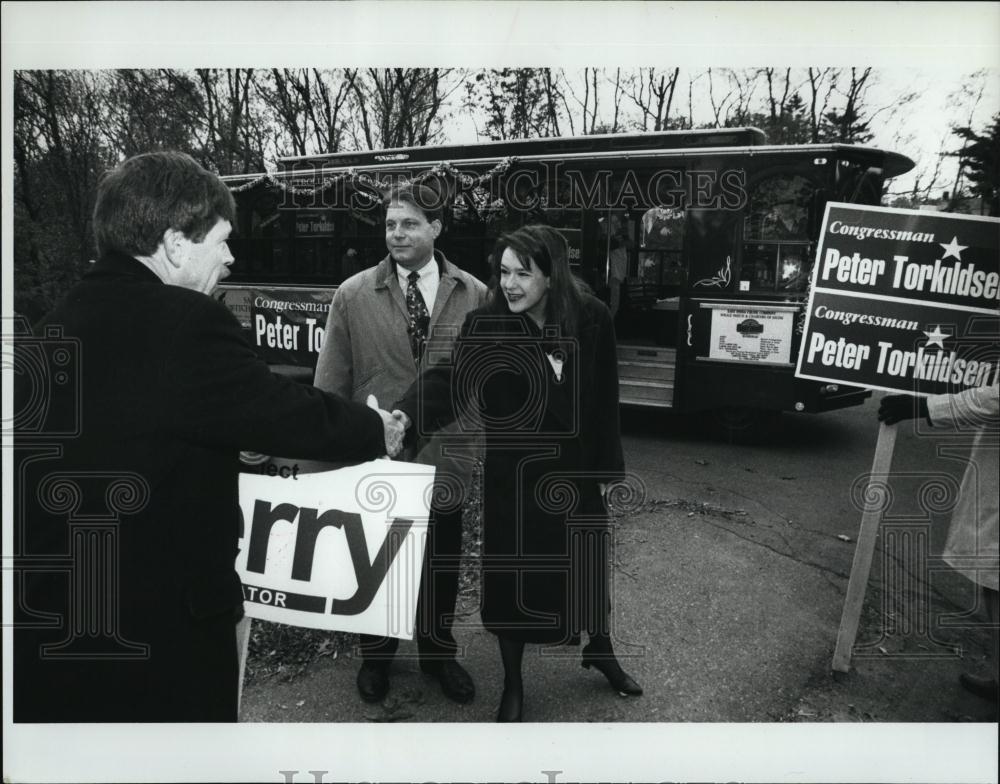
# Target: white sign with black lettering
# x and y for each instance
(761, 335)
(339, 550)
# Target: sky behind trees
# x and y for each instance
(929, 49)
(915, 110)
(238, 85)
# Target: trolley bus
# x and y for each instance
(701, 242)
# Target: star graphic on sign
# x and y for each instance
(936, 337)
(952, 249)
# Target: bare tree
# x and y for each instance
(59, 156)
(652, 93)
(585, 100)
(584, 94)
(552, 93)
(776, 106)
(744, 84)
(822, 83)
(718, 106)
(849, 124)
(691, 81)
(146, 110)
(397, 107)
(616, 97)
(310, 107)
(59, 114)
(518, 103)
(226, 119)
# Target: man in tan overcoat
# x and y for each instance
(380, 322)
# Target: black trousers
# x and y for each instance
(436, 597)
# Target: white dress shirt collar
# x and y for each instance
(429, 278)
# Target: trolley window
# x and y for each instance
(776, 243)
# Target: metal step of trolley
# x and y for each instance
(646, 375)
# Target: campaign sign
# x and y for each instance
(574, 244)
(285, 324)
(314, 223)
(904, 301)
(339, 550)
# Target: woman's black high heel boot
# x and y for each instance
(511, 705)
(512, 701)
(602, 658)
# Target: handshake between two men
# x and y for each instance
(394, 425)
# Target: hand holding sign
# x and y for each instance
(895, 308)
(896, 408)
(394, 430)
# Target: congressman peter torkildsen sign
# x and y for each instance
(904, 300)
(339, 550)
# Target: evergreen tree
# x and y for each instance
(979, 160)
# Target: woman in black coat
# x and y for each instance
(536, 370)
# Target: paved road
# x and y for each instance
(730, 581)
(778, 538)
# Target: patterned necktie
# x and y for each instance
(419, 317)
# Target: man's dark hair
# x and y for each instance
(150, 193)
(425, 199)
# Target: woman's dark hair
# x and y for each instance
(544, 248)
(424, 198)
(150, 193)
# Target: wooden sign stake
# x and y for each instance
(242, 647)
(864, 551)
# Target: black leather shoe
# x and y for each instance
(511, 704)
(609, 667)
(455, 681)
(373, 681)
(980, 686)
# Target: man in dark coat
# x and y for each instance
(126, 509)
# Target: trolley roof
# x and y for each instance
(635, 146)
(548, 147)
